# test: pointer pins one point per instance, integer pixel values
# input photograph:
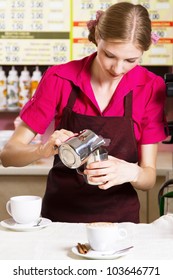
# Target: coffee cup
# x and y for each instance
(99, 154)
(104, 236)
(24, 209)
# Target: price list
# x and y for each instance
(47, 32)
(84, 11)
(161, 14)
(34, 32)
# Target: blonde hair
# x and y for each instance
(124, 22)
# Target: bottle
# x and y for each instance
(35, 79)
(24, 87)
(3, 90)
(12, 90)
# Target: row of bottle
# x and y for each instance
(16, 90)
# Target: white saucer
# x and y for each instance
(12, 225)
(95, 255)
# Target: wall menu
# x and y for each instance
(47, 32)
(31, 32)
(161, 14)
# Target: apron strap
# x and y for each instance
(128, 105)
(73, 95)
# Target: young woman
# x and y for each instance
(109, 93)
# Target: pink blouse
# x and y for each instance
(54, 89)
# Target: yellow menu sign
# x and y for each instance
(34, 32)
(47, 32)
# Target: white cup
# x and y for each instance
(24, 209)
(104, 236)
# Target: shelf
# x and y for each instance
(9, 111)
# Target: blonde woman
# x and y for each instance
(109, 93)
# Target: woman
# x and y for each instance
(109, 93)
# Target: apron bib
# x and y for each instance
(68, 198)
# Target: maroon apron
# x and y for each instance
(68, 198)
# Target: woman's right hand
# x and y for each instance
(19, 150)
(50, 148)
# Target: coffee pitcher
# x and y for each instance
(75, 151)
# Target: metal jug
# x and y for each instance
(75, 151)
(99, 154)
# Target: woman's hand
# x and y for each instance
(20, 151)
(50, 148)
(115, 171)
(111, 172)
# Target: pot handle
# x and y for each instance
(79, 171)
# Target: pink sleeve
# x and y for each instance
(40, 110)
(153, 122)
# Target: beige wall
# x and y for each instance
(19, 185)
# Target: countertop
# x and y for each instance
(55, 242)
(42, 167)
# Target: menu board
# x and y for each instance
(48, 32)
(34, 32)
(83, 12)
(161, 14)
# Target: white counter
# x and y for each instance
(164, 163)
(42, 167)
(151, 241)
(32, 179)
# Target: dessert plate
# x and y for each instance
(12, 225)
(94, 255)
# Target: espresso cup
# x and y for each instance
(104, 236)
(24, 209)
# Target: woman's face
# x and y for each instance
(116, 58)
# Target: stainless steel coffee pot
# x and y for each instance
(99, 154)
(75, 151)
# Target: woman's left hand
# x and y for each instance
(111, 172)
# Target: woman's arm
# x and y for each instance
(19, 151)
(146, 171)
(115, 171)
